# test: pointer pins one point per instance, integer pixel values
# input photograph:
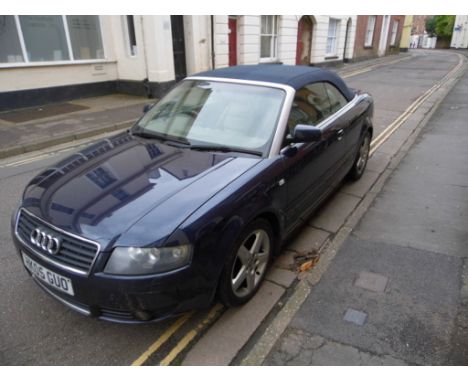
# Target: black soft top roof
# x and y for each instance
(292, 75)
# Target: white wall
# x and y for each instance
(320, 34)
(39, 75)
(248, 38)
(460, 37)
(154, 59)
(221, 41)
(287, 39)
(128, 67)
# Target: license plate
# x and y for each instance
(53, 279)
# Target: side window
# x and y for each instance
(337, 99)
(311, 105)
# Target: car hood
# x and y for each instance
(102, 192)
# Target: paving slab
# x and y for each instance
(378, 162)
(280, 276)
(372, 281)
(286, 260)
(335, 212)
(309, 241)
(362, 186)
(230, 333)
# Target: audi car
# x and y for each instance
(191, 204)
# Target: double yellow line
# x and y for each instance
(372, 67)
(384, 135)
(184, 342)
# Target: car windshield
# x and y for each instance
(213, 113)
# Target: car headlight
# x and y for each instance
(143, 261)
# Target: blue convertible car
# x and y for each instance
(193, 201)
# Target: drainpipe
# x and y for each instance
(146, 83)
(212, 43)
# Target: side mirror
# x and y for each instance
(306, 133)
(147, 107)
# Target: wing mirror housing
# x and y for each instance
(306, 133)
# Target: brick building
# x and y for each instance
(419, 25)
(377, 36)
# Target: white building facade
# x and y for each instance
(54, 58)
(460, 33)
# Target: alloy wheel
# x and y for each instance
(251, 263)
(363, 154)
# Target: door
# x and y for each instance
(304, 40)
(232, 40)
(178, 46)
(347, 38)
(350, 122)
(384, 36)
(311, 167)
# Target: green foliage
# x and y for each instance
(440, 26)
(444, 25)
(431, 26)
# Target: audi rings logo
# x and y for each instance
(45, 241)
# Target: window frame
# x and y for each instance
(273, 42)
(329, 84)
(130, 52)
(368, 44)
(334, 41)
(71, 61)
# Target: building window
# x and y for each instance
(268, 38)
(332, 37)
(131, 35)
(394, 33)
(370, 31)
(44, 38)
(85, 37)
(10, 46)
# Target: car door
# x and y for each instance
(350, 121)
(310, 166)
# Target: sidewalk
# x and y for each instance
(396, 293)
(50, 125)
(36, 128)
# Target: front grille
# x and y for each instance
(75, 253)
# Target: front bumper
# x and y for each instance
(129, 299)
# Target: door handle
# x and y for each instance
(340, 134)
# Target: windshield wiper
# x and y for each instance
(162, 137)
(224, 149)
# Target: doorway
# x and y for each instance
(178, 46)
(304, 40)
(384, 36)
(232, 40)
(347, 38)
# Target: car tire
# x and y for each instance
(247, 263)
(361, 159)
